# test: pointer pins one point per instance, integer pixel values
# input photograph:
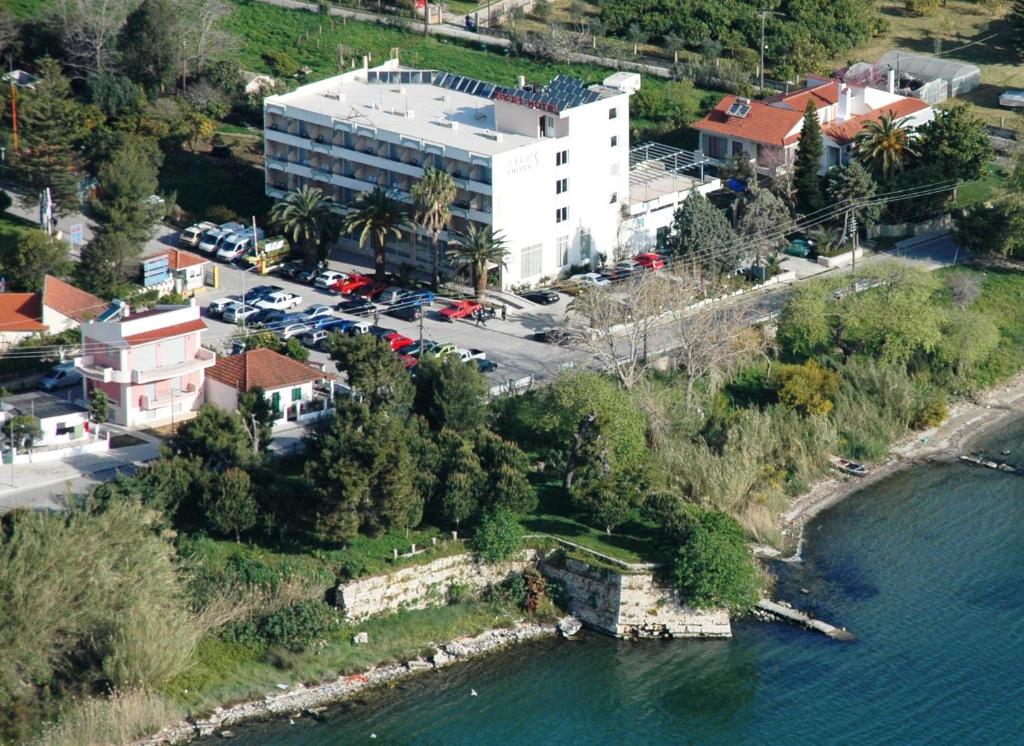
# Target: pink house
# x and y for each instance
(149, 364)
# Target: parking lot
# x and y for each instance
(507, 343)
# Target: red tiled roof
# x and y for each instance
(763, 123)
(844, 132)
(178, 259)
(71, 301)
(165, 332)
(21, 312)
(822, 94)
(261, 368)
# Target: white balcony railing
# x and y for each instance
(166, 399)
(203, 359)
(94, 371)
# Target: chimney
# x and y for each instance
(845, 102)
(892, 80)
(521, 81)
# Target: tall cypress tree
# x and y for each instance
(1016, 20)
(808, 157)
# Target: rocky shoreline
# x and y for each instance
(314, 699)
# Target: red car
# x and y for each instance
(409, 361)
(650, 260)
(351, 284)
(372, 290)
(460, 309)
(396, 340)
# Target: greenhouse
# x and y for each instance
(960, 77)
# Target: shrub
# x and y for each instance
(281, 63)
(295, 627)
(931, 410)
(499, 536)
(713, 567)
(221, 214)
(459, 593)
(509, 593)
(809, 388)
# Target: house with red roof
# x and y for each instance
(185, 271)
(58, 307)
(767, 131)
(287, 384)
(150, 364)
(21, 316)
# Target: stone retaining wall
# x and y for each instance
(420, 586)
(632, 605)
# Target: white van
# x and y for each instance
(191, 236)
(218, 306)
(60, 377)
(235, 245)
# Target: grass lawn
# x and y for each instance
(11, 227)
(982, 190)
(955, 24)
(633, 541)
(227, 672)
(1002, 299)
(265, 27)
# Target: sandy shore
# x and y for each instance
(967, 420)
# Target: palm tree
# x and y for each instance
(306, 217)
(473, 250)
(885, 144)
(375, 216)
(433, 196)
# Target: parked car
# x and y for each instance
(484, 365)
(316, 312)
(629, 266)
(544, 297)
(358, 327)
(351, 284)
(409, 361)
(218, 306)
(290, 269)
(443, 349)
(214, 238)
(315, 338)
(471, 354)
(650, 260)
(425, 297)
(326, 279)
(307, 275)
(268, 317)
(60, 377)
(288, 331)
(396, 340)
(191, 236)
(577, 283)
(459, 309)
(236, 245)
(381, 331)
(406, 311)
(371, 291)
(391, 294)
(356, 306)
(614, 274)
(261, 291)
(413, 349)
(281, 299)
(240, 312)
(552, 336)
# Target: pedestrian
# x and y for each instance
(483, 318)
(376, 317)
(504, 312)
(479, 316)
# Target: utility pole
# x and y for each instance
(853, 230)
(764, 16)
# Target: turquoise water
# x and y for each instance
(926, 568)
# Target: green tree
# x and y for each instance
(117, 96)
(23, 430)
(508, 473)
(713, 567)
(51, 125)
(197, 126)
(956, 140)
(214, 436)
(450, 394)
(127, 181)
(36, 255)
(474, 251)
(604, 494)
(149, 45)
(105, 261)
(99, 406)
(885, 145)
(308, 217)
(375, 217)
(808, 161)
(460, 481)
(499, 536)
(853, 184)
(804, 325)
(765, 222)
(373, 370)
(230, 506)
(432, 197)
(258, 417)
(294, 349)
(701, 235)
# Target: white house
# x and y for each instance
(185, 271)
(287, 384)
(547, 164)
(767, 132)
(65, 428)
(65, 306)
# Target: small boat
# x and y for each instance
(849, 467)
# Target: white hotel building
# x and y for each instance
(548, 166)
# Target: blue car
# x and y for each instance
(336, 325)
(425, 297)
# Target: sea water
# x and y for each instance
(926, 568)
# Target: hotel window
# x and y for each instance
(563, 250)
(613, 113)
(615, 140)
(561, 157)
(562, 185)
(531, 261)
(561, 214)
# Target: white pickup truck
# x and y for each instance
(470, 354)
(282, 300)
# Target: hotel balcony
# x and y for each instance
(203, 359)
(89, 368)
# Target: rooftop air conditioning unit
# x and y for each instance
(448, 123)
(375, 104)
(399, 90)
(491, 134)
(444, 97)
(410, 114)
